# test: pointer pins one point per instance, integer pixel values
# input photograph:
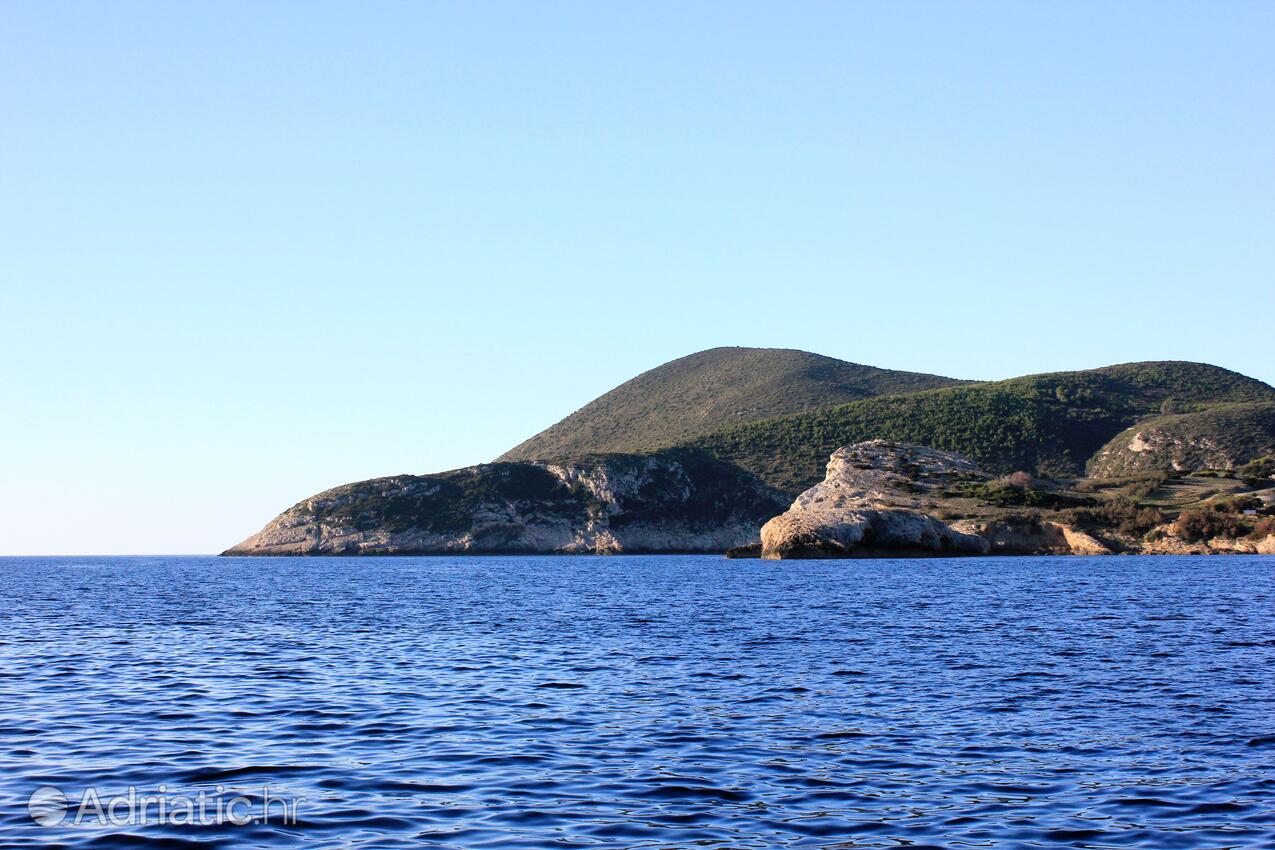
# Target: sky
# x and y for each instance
(249, 251)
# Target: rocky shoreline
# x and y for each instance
(726, 450)
(667, 502)
(878, 499)
(884, 499)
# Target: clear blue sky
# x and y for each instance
(250, 251)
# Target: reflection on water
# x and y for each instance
(647, 701)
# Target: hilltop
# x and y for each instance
(712, 390)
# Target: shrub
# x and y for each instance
(1122, 514)
(1205, 525)
(1142, 486)
(1237, 504)
(1019, 480)
(1263, 467)
(1142, 521)
(1263, 529)
(1003, 495)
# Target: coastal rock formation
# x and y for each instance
(1164, 542)
(872, 502)
(877, 532)
(1033, 536)
(668, 502)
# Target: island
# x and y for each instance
(785, 454)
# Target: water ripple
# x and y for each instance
(639, 702)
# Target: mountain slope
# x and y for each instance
(1048, 424)
(1220, 438)
(712, 390)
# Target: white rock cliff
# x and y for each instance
(873, 502)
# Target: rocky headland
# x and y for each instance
(886, 499)
(728, 449)
(666, 502)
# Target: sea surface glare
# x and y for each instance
(632, 702)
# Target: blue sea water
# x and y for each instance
(643, 701)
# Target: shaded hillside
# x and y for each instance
(1221, 438)
(1048, 424)
(712, 390)
(676, 500)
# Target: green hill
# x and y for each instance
(711, 390)
(1224, 437)
(1048, 424)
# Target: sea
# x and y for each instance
(637, 702)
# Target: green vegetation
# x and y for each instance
(1126, 515)
(1119, 511)
(445, 503)
(698, 491)
(1049, 424)
(1231, 515)
(1005, 494)
(1259, 472)
(1220, 437)
(679, 485)
(711, 390)
(1205, 525)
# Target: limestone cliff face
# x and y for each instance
(872, 502)
(669, 502)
